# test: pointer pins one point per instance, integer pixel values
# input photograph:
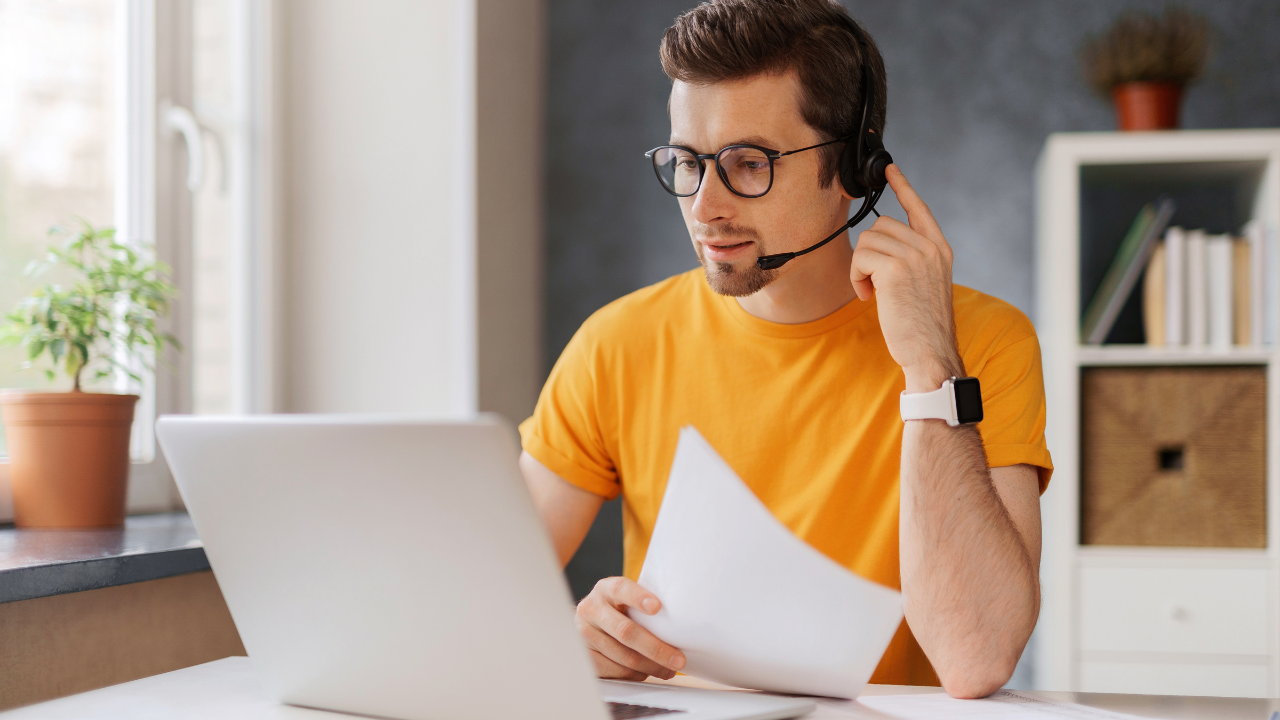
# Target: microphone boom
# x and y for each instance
(772, 262)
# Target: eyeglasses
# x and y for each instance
(747, 170)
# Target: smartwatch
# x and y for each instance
(958, 401)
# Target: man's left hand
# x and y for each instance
(907, 268)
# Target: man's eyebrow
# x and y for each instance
(749, 140)
(754, 140)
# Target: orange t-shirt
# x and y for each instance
(807, 415)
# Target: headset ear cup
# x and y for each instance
(850, 172)
(874, 167)
(875, 160)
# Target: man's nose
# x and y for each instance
(714, 200)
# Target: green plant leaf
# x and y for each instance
(118, 293)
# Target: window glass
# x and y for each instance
(57, 63)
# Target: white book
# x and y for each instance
(1257, 281)
(1219, 268)
(1271, 306)
(1175, 286)
(1197, 290)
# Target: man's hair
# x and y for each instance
(724, 40)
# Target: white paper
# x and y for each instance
(1004, 705)
(748, 602)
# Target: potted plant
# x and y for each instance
(1143, 62)
(69, 451)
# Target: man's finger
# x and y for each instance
(630, 633)
(624, 656)
(606, 668)
(918, 213)
(866, 263)
(888, 245)
(902, 232)
(625, 591)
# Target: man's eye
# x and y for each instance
(687, 164)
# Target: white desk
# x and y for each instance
(227, 690)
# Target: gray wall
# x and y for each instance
(974, 87)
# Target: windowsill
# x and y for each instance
(41, 563)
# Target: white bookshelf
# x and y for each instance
(1182, 621)
(1119, 355)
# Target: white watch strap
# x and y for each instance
(937, 405)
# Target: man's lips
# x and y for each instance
(722, 251)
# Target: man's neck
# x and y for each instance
(810, 288)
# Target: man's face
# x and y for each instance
(729, 232)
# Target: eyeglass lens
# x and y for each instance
(746, 170)
(679, 170)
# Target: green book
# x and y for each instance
(1126, 268)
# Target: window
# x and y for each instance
(152, 117)
(57, 154)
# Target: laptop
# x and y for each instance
(396, 568)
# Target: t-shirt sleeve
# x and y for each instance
(564, 431)
(1013, 407)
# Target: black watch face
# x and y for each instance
(968, 400)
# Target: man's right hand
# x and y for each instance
(620, 648)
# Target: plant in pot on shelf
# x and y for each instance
(1143, 63)
(69, 451)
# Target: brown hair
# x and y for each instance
(723, 40)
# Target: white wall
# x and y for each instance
(382, 231)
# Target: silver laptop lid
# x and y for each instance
(383, 565)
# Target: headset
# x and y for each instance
(862, 161)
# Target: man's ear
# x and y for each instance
(840, 186)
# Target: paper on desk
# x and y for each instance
(1004, 705)
(748, 602)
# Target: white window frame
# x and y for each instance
(139, 157)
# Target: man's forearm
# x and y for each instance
(969, 584)
(968, 580)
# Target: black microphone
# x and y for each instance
(771, 262)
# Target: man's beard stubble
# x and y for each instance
(727, 280)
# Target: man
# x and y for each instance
(794, 374)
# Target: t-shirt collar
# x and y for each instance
(848, 312)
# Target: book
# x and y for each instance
(1257, 282)
(1197, 290)
(1175, 286)
(1242, 288)
(1219, 296)
(1128, 264)
(1271, 286)
(1154, 295)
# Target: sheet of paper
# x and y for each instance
(748, 602)
(1004, 705)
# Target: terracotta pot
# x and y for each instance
(68, 457)
(1147, 105)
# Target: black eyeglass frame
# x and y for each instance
(771, 154)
